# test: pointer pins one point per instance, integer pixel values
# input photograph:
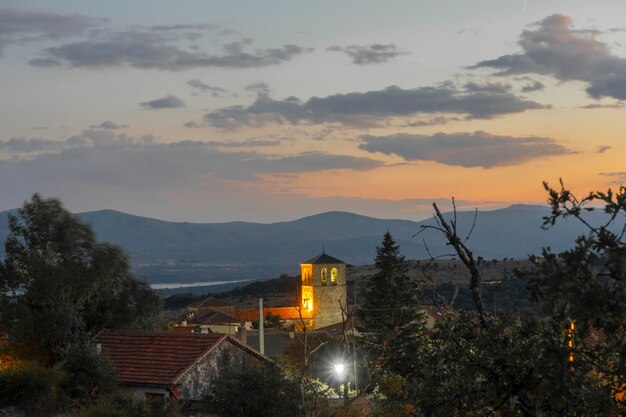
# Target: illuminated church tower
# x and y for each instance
(323, 289)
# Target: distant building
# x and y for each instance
(171, 366)
(322, 295)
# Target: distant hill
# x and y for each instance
(191, 252)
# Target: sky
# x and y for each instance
(213, 111)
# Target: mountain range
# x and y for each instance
(164, 251)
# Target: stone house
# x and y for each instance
(172, 366)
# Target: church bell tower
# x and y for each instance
(324, 290)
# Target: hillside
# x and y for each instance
(191, 252)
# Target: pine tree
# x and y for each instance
(390, 320)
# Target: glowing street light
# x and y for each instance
(340, 370)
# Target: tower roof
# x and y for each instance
(324, 258)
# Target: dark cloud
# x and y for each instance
(107, 158)
(435, 121)
(159, 48)
(369, 54)
(602, 106)
(168, 102)
(192, 125)
(261, 88)
(602, 148)
(107, 124)
(20, 26)
(26, 145)
(182, 27)
(201, 87)
(618, 178)
(478, 149)
(554, 48)
(533, 86)
(369, 108)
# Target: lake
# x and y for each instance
(164, 286)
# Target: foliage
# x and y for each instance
(284, 284)
(87, 374)
(511, 294)
(516, 364)
(30, 386)
(60, 286)
(260, 391)
(177, 301)
(389, 318)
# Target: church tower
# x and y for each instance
(324, 289)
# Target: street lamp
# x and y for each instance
(340, 371)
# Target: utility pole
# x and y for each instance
(261, 330)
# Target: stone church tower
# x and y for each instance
(324, 289)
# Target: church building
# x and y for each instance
(322, 297)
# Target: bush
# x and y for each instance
(86, 375)
(29, 386)
(262, 392)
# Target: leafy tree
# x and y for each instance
(475, 364)
(60, 286)
(262, 391)
(86, 375)
(389, 318)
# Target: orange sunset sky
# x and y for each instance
(212, 111)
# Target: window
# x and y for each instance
(324, 276)
(333, 276)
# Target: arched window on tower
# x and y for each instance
(333, 276)
(324, 276)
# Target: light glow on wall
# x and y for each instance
(307, 298)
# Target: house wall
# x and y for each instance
(196, 382)
(140, 392)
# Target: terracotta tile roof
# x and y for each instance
(211, 317)
(285, 313)
(596, 336)
(182, 329)
(154, 358)
(434, 312)
(209, 302)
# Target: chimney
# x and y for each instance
(243, 333)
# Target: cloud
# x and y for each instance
(369, 54)
(168, 102)
(18, 145)
(552, 47)
(435, 121)
(602, 106)
(533, 86)
(619, 178)
(21, 26)
(192, 125)
(159, 47)
(200, 87)
(478, 149)
(602, 148)
(261, 88)
(370, 108)
(107, 124)
(105, 157)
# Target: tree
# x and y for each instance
(519, 365)
(389, 318)
(59, 286)
(262, 391)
